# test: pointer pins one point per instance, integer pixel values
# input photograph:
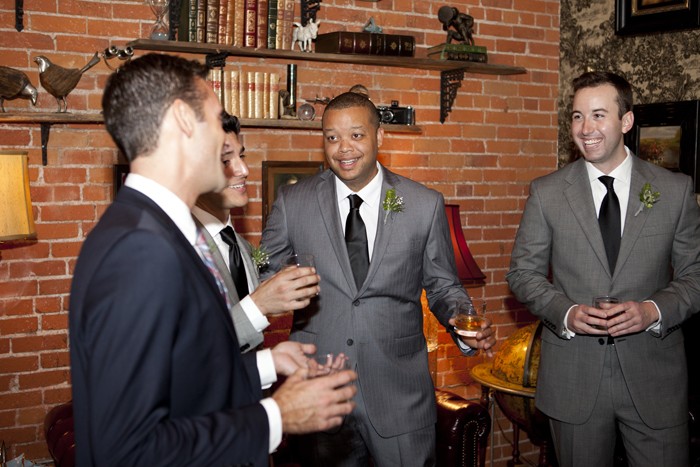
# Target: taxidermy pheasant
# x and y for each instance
(60, 81)
(14, 84)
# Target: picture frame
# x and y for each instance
(667, 134)
(119, 173)
(278, 173)
(652, 16)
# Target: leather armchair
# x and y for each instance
(462, 433)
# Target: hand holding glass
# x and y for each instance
(326, 364)
(299, 260)
(468, 321)
(604, 303)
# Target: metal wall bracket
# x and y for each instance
(19, 15)
(45, 130)
(216, 60)
(450, 81)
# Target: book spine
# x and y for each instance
(274, 95)
(239, 23)
(183, 29)
(266, 96)
(250, 98)
(408, 46)
(230, 13)
(272, 24)
(280, 24)
(192, 16)
(243, 93)
(288, 24)
(234, 97)
(259, 107)
(212, 35)
(214, 79)
(201, 21)
(251, 23)
(261, 40)
(223, 25)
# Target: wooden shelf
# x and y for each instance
(451, 71)
(372, 60)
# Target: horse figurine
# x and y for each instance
(305, 34)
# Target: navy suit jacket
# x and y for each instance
(158, 378)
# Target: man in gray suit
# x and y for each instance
(371, 312)
(287, 290)
(618, 366)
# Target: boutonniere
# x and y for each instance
(260, 257)
(392, 203)
(647, 198)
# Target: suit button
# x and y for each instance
(356, 303)
(349, 342)
(601, 341)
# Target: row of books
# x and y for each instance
(247, 93)
(366, 43)
(463, 52)
(240, 23)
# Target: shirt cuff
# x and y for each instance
(654, 328)
(266, 368)
(274, 418)
(255, 316)
(568, 333)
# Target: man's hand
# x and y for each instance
(288, 290)
(615, 319)
(484, 339)
(289, 356)
(316, 404)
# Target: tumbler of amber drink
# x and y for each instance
(468, 321)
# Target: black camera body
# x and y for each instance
(396, 115)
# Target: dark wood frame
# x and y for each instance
(686, 115)
(642, 17)
(119, 173)
(273, 173)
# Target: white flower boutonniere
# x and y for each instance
(392, 203)
(647, 198)
(260, 257)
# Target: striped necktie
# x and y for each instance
(208, 259)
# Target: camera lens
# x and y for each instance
(387, 116)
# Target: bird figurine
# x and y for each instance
(14, 84)
(60, 81)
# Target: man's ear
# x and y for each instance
(627, 122)
(183, 116)
(380, 136)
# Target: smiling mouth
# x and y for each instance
(591, 142)
(236, 187)
(349, 162)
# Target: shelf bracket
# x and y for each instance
(19, 15)
(450, 81)
(45, 130)
(216, 60)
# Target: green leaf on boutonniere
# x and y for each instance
(647, 197)
(260, 257)
(392, 203)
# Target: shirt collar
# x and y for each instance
(622, 172)
(174, 207)
(370, 193)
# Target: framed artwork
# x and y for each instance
(278, 173)
(648, 16)
(119, 171)
(667, 135)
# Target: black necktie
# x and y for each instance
(356, 241)
(609, 221)
(235, 262)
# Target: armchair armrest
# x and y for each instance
(462, 431)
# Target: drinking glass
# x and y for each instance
(469, 319)
(326, 364)
(299, 260)
(598, 302)
(160, 29)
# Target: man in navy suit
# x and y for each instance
(158, 377)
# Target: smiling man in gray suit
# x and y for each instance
(369, 305)
(287, 290)
(622, 366)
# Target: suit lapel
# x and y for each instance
(384, 230)
(326, 196)
(634, 220)
(220, 263)
(580, 199)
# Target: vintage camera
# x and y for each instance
(396, 115)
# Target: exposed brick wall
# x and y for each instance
(501, 134)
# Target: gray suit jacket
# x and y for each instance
(659, 260)
(248, 337)
(378, 326)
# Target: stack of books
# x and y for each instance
(464, 52)
(246, 92)
(265, 24)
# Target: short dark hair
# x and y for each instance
(230, 123)
(592, 79)
(354, 99)
(137, 96)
